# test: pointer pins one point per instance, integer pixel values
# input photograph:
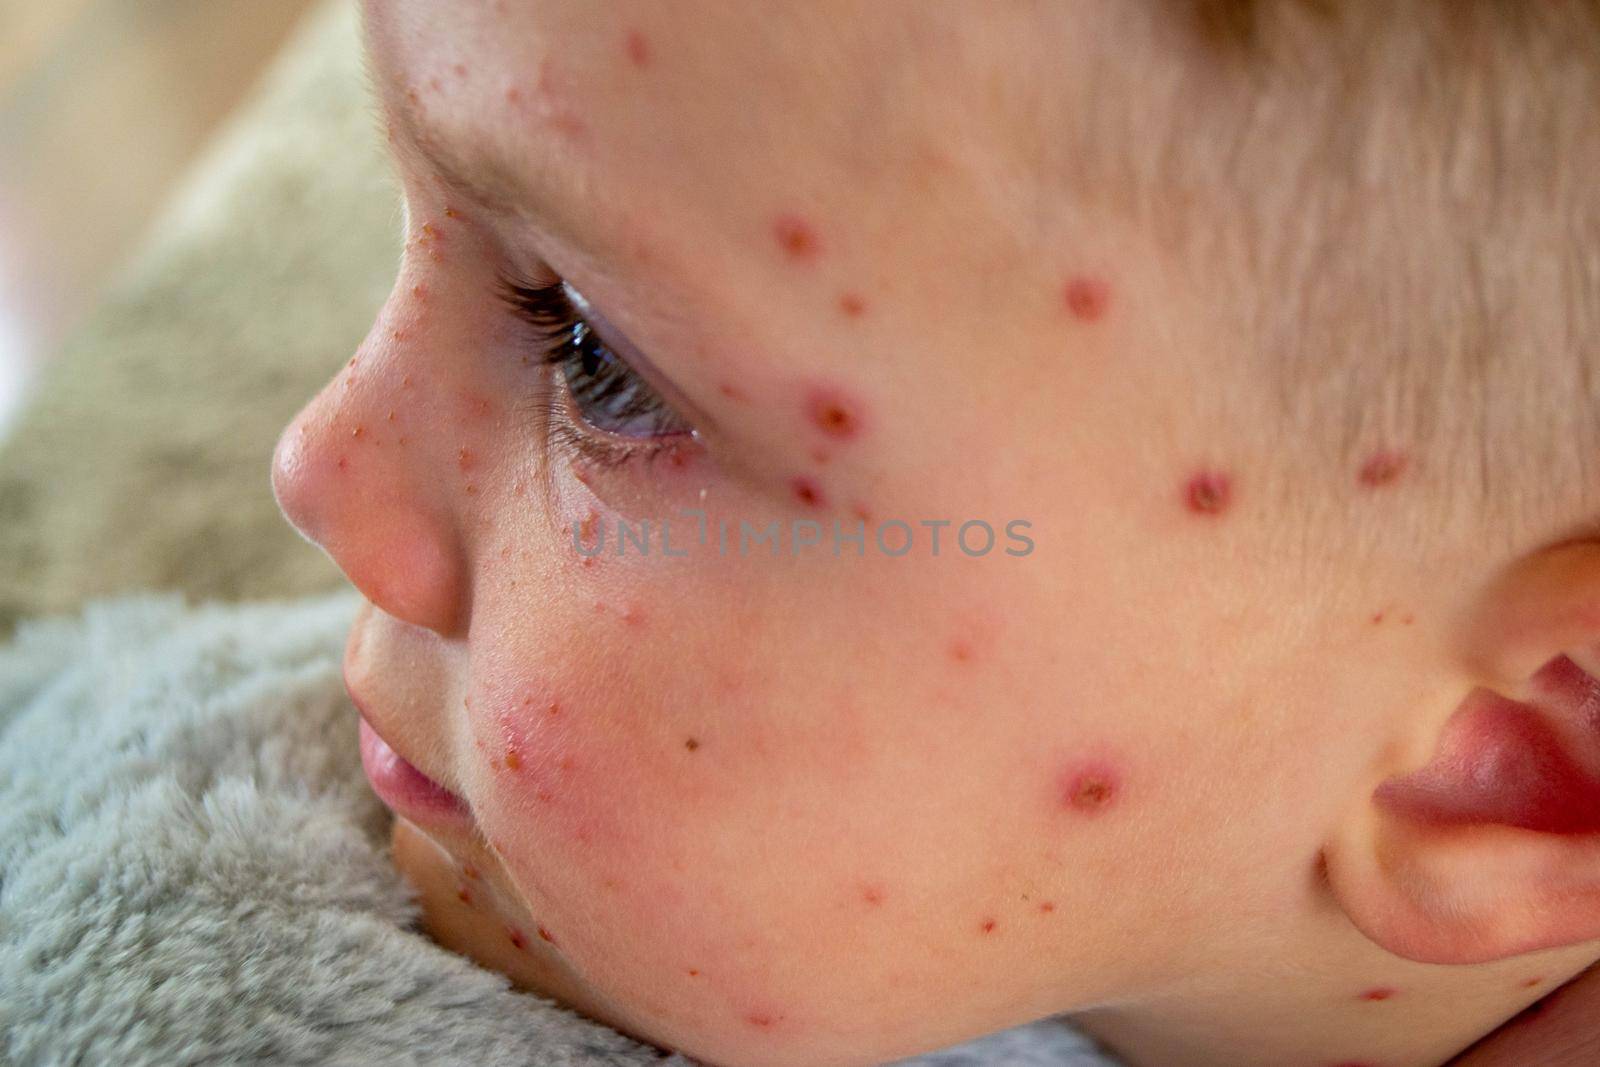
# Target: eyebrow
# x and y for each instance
(482, 176)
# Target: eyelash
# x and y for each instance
(567, 343)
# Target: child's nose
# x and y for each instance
(368, 501)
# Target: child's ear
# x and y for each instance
(1484, 841)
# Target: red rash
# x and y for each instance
(833, 414)
(1381, 468)
(638, 49)
(1380, 993)
(1090, 790)
(1086, 298)
(796, 237)
(807, 492)
(1208, 493)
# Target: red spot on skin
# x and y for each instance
(1047, 907)
(469, 871)
(516, 938)
(833, 414)
(435, 84)
(1378, 993)
(852, 305)
(358, 432)
(860, 511)
(451, 213)
(405, 383)
(634, 615)
(872, 895)
(460, 69)
(820, 456)
(513, 96)
(553, 709)
(343, 463)
(1407, 619)
(638, 48)
(987, 926)
(1086, 298)
(1208, 493)
(1089, 790)
(762, 1020)
(472, 488)
(544, 935)
(419, 292)
(1531, 982)
(1381, 468)
(732, 392)
(807, 491)
(961, 651)
(1377, 617)
(796, 237)
(465, 459)
(513, 760)
(692, 973)
(692, 745)
(389, 417)
(464, 895)
(587, 527)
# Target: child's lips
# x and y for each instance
(405, 789)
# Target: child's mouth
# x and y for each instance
(405, 789)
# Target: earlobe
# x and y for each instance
(1491, 848)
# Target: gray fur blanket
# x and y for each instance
(193, 870)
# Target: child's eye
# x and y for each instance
(622, 415)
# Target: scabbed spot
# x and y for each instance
(1208, 493)
(1090, 790)
(807, 491)
(796, 237)
(833, 414)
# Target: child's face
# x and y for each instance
(816, 808)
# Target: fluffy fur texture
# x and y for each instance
(193, 869)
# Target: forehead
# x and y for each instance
(695, 114)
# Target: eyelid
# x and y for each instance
(637, 361)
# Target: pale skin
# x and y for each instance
(836, 810)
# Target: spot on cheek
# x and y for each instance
(796, 238)
(691, 744)
(834, 414)
(872, 895)
(515, 937)
(1089, 790)
(544, 935)
(1381, 468)
(1377, 993)
(851, 305)
(1086, 298)
(987, 926)
(637, 47)
(807, 491)
(962, 651)
(513, 760)
(1047, 907)
(763, 1020)
(1208, 493)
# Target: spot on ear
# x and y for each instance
(637, 47)
(796, 237)
(833, 413)
(807, 491)
(1086, 298)
(1377, 993)
(1381, 468)
(1208, 493)
(1089, 790)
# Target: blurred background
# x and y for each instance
(103, 105)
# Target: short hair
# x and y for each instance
(1407, 244)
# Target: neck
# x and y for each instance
(1340, 1002)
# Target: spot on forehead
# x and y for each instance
(796, 237)
(638, 48)
(1086, 298)
(1381, 468)
(833, 413)
(1089, 789)
(1208, 493)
